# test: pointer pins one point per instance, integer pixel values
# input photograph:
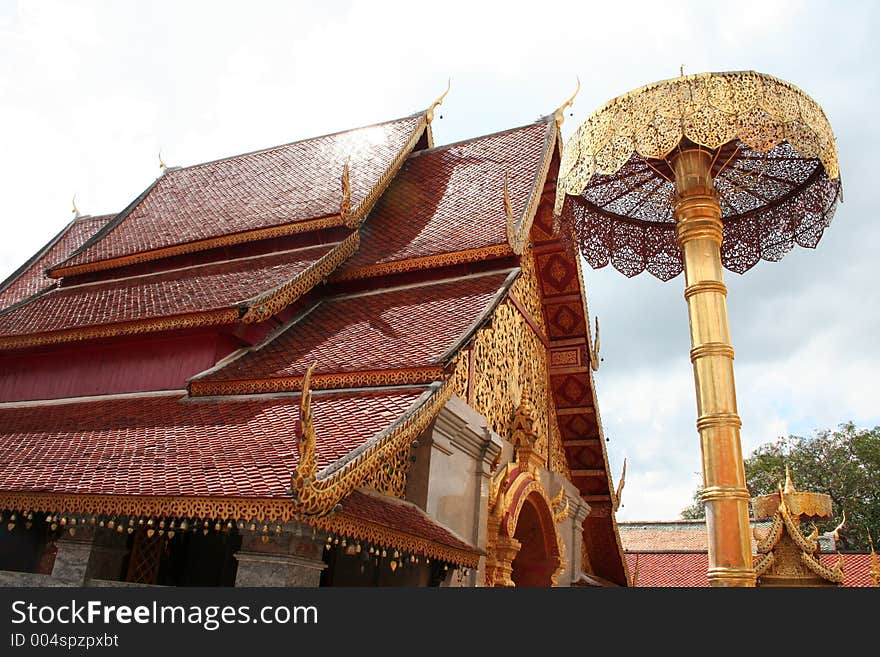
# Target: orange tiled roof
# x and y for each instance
(199, 288)
(407, 327)
(689, 569)
(451, 198)
(31, 277)
(164, 445)
(277, 186)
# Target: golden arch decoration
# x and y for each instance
(517, 501)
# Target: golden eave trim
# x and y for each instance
(148, 506)
(336, 481)
(169, 323)
(365, 530)
(326, 381)
(332, 221)
(427, 262)
(267, 304)
(258, 309)
(385, 179)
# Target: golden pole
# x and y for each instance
(699, 232)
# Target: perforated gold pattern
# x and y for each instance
(710, 109)
(527, 290)
(366, 379)
(509, 357)
(774, 168)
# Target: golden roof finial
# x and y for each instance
(74, 210)
(836, 532)
(789, 486)
(594, 348)
(430, 112)
(345, 205)
(162, 164)
(306, 445)
(559, 114)
(874, 573)
(620, 485)
(681, 71)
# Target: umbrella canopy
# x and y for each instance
(774, 164)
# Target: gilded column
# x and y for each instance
(699, 232)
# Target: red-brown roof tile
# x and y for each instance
(400, 516)
(281, 185)
(195, 289)
(388, 329)
(31, 277)
(162, 445)
(451, 198)
(689, 568)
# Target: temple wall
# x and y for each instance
(124, 366)
(450, 481)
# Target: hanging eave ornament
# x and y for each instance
(692, 174)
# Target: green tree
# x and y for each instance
(843, 464)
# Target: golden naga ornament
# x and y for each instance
(694, 174)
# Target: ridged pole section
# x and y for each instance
(699, 232)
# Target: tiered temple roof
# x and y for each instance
(152, 364)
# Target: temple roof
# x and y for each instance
(31, 277)
(229, 286)
(166, 445)
(285, 185)
(380, 330)
(666, 569)
(451, 199)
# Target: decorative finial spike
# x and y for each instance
(306, 446)
(430, 112)
(681, 71)
(74, 210)
(594, 349)
(345, 205)
(836, 532)
(619, 492)
(162, 164)
(789, 486)
(559, 114)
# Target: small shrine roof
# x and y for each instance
(394, 515)
(166, 445)
(283, 185)
(196, 289)
(451, 199)
(415, 326)
(31, 277)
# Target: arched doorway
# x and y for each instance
(537, 560)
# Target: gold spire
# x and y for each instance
(308, 460)
(789, 486)
(345, 205)
(594, 349)
(837, 529)
(559, 114)
(162, 164)
(874, 573)
(430, 112)
(74, 210)
(620, 486)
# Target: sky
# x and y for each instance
(91, 92)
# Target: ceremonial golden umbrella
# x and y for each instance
(692, 174)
